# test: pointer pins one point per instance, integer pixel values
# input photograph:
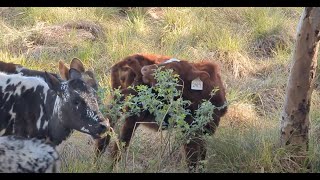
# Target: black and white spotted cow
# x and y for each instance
(87, 75)
(29, 108)
(12, 68)
(23, 155)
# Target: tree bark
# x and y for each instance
(295, 115)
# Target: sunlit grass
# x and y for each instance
(247, 139)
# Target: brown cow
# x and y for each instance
(9, 68)
(125, 73)
(209, 74)
(128, 71)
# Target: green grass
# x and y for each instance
(62, 14)
(264, 21)
(247, 139)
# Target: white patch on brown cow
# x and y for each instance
(171, 60)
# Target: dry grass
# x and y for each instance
(252, 45)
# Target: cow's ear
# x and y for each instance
(198, 74)
(77, 64)
(64, 71)
(204, 75)
(52, 82)
(74, 74)
(88, 77)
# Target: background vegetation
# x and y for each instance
(252, 45)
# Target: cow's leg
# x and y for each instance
(195, 151)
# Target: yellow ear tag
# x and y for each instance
(197, 84)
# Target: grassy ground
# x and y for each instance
(252, 45)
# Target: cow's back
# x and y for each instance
(22, 104)
(128, 71)
(9, 68)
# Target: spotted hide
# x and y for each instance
(29, 108)
(22, 155)
(86, 75)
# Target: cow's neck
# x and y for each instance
(32, 73)
(56, 131)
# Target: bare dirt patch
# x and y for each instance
(55, 40)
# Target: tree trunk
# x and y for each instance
(295, 115)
